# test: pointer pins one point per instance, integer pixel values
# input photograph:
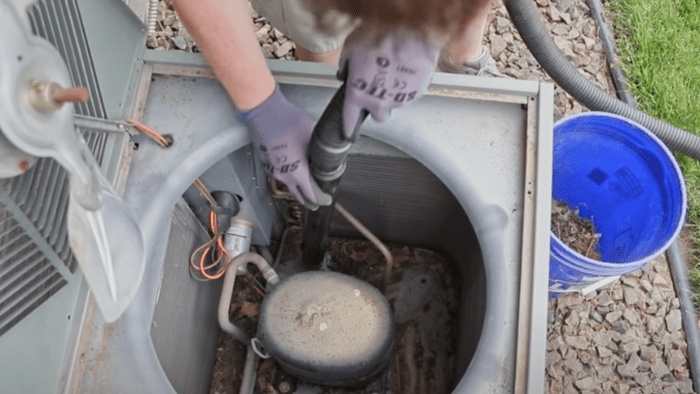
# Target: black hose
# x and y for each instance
(611, 53)
(328, 153)
(526, 19)
(685, 296)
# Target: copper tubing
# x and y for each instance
(223, 256)
(149, 132)
(199, 185)
(382, 248)
(71, 95)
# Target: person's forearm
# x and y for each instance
(466, 44)
(223, 29)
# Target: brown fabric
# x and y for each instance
(445, 16)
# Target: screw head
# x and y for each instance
(284, 387)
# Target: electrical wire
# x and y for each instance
(149, 132)
(199, 185)
(216, 243)
(222, 254)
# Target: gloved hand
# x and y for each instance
(281, 132)
(384, 71)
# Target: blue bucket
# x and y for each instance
(622, 178)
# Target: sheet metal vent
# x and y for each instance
(59, 22)
(35, 258)
(27, 276)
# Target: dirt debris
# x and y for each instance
(574, 231)
(230, 354)
(426, 322)
(423, 292)
(228, 368)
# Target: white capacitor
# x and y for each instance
(237, 239)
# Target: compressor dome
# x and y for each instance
(327, 328)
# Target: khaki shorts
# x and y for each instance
(293, 19)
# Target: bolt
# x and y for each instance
(284, 387)
(23, 165)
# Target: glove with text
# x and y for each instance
(384, 71)
(281, 133)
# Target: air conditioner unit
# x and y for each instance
(466, 171)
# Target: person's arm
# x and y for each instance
(280, 130)
(223, 29)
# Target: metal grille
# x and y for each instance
(59, 22)
(42, 194)
(33, 231)
(27, 275)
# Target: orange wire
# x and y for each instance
(222, 252)
(199, 185)
(149, 132)
(213, 223)
(206, 246)
(252, 283)
(217, 240)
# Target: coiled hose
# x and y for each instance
(537, 38)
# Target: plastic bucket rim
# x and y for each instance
(679, 176)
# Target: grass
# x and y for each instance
(659, 45)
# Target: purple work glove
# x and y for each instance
(281, 132)
(384, 71)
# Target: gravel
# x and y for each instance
(170, 33)
(638, 346)
(625, 338)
